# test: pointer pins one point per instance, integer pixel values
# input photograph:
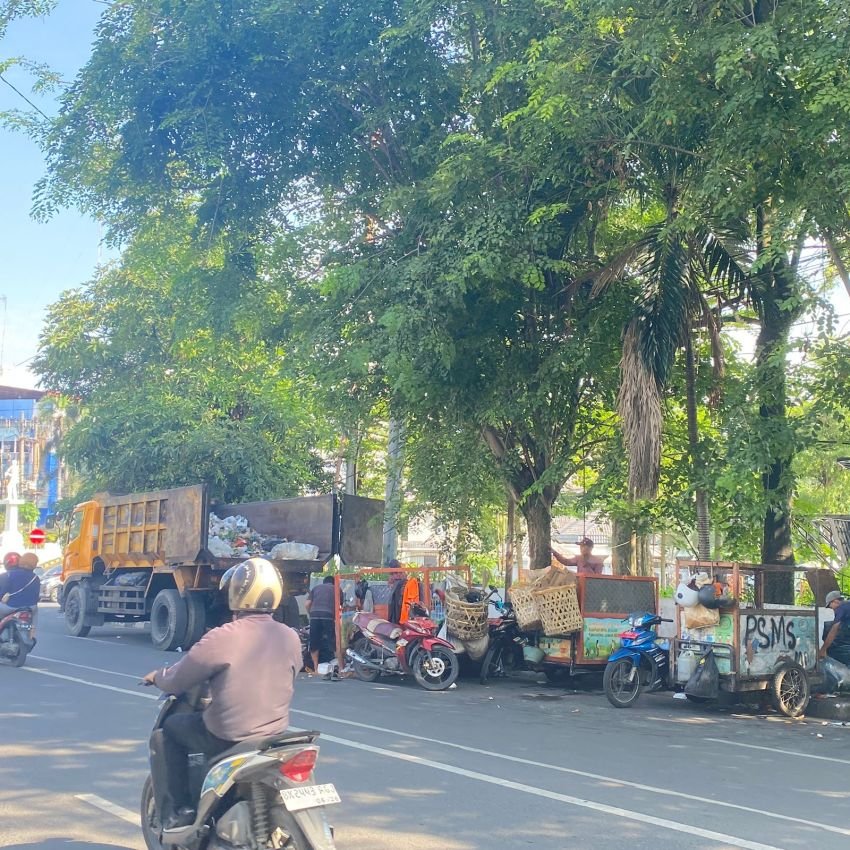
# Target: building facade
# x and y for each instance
(28, 444)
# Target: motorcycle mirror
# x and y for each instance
(494, 589)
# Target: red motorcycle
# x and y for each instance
(380, 647)
(16, 641)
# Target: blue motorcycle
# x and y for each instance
(640, 662)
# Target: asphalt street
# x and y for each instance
(516, 764)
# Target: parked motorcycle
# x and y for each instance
(258, 794)
(380, 647)
(16, 641)
(505, 652)
(640, 663)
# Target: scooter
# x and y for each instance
(16, 640)
(640, 663)
(507, 643)
(380, 647)
(258, 794)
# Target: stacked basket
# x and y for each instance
(525, 608)
(550, 604)
(558, 609)
(465, 620)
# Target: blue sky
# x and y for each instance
(39, 261)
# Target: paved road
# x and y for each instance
(516, 764)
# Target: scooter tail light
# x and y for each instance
(24, 616)
(300, 767)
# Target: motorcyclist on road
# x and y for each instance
(250, 665)
(20, 587)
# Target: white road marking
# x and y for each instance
(616, 811)
(90, 684)
(85, 667)
(583, 773)
(775, 750)
(110, 808)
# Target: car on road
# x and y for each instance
(51, 584)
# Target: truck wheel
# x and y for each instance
(169, 619)
(196, 618)
(76, 605)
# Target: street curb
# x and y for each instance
(831, 708)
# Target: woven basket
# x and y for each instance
(466, 620)
(558, 610)
(525, 608)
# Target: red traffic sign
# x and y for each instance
(37, 536)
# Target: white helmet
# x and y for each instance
(253, 585)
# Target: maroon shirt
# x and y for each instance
(251, 665)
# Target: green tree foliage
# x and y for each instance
(171, 352)
(435, 193)
(733, 100)
(465, 287)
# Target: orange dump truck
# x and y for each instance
(145, 556)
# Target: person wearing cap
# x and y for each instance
(837, 642)
(586, 563)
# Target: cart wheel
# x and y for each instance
(790, 689)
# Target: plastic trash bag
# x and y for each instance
(705, 681)
(837, 674)
(293, 551)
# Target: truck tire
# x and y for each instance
(76, 607)
(169, 619)
(196, 618)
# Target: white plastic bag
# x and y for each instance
(837, 674)
(292, 551)
(219, 548)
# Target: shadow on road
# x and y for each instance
(64, 844)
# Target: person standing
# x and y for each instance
(321, 605)
(586, 563)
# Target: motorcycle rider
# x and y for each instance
(20, 587)
(250, 665)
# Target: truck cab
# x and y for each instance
(81, 540)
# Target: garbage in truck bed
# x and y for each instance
(232, 537)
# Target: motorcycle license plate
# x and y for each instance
(309, 797)
(27, 627)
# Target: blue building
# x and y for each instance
(30, 441)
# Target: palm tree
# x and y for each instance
(681, 264)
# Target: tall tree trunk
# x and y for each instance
(537, 510)
(701, 497)
(643, 550)
(392, 492)
(775, 290)
(510, 542)
(621, 547)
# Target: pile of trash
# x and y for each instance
(232, 537)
